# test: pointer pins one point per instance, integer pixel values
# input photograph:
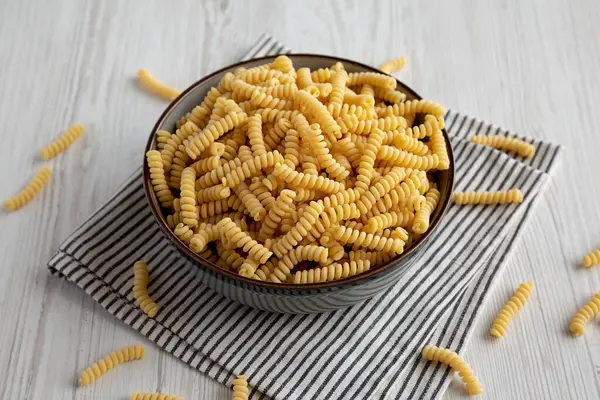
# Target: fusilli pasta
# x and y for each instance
(140, 289)
(585, 315)
(513, 196)
(34, 187)
(508, 312)
(457, 363)
(96, 370)
(63, 142)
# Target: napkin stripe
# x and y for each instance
(212, 334)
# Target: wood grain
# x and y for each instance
(529, 66)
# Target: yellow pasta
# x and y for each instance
(62, 143)
(388, 220)
(457, 363)
(505, 143)
(283, 270)
(500, 325)
(513, 196)
(592, 259)
(96, 370)
(393, 65)
(371, 78)
(278, 166)
(156, 87)
(140, 289)
(153, 396)
(242, 240)
(412, 107)
(240, 388)
(358, 239)
(332, 272)
(405, 159)
(421, 220)
(212, 132)
(32, 189)
(585, 314)
(189, 214)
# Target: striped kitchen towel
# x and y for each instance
(368, 351)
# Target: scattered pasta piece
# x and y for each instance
(585, 315)
(140, 289)
(62, 143)
(592, 259)
(30, 191)
(153, 396)
(511, 308)
(135, 352)
(457, 363)
(513, 196)
(284, 175)
(393, 65)
(504, 143)
(240, 388)
(156, 87)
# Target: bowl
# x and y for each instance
(292, 298)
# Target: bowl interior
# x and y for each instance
(196, 93)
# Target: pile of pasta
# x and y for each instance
(296, 176)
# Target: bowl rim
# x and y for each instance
(200, 262)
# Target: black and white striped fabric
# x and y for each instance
(369, 351)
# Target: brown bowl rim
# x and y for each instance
(160, 219)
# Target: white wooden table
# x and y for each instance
(530, 66)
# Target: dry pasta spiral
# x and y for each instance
(585, 314)
(505, 143)
(61, 144)
(319, 112)
(412, 145)
(153, 396)
(388, 220)
(371, 78)
(171, 148)
(140, 289)
(300, 230)
(33, 188)
(513, 196)
(242, 240)
(213, 193)
(592, 259)
(156, 87)
(393, 65)
(367, 160)
(212, 132)
(421, 220)
(457, 363)
(438, 147)
(283, 270)
(240, 388)
(358, 239)
(189, 214)
(183, 232)
(252, 167)
(402, 158)
(255, 135)
(161, 139)
(199, 115)
(251, 202)
(307, 181)
(157, 177)
(500, 325)
(96, 370)
(281, 206)
(332, 272)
